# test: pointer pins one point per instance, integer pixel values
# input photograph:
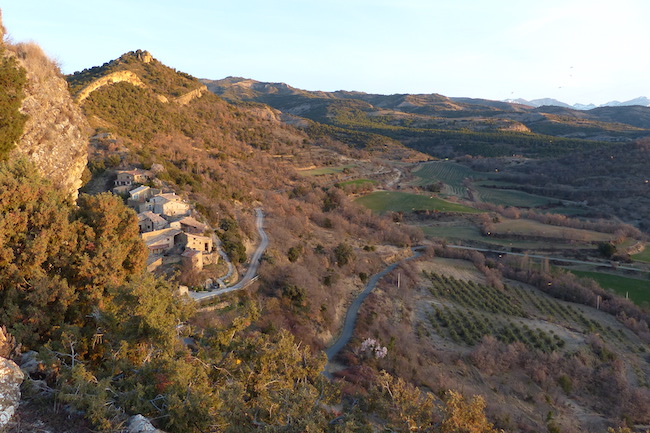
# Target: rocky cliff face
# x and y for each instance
(10, 379)
(55, 136)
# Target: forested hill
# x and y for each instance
(446, 127)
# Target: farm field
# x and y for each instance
(512, 197)
(391, 201)
(325, 170)
(638, 290)
(463, 312)
(643, 256)
(493, 183)
(456, 234)
(453, 174)
(525, 227)
(569, 211)
(449, 173)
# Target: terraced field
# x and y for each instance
(487, 185)
(512, 197)
(449, 173)
(461, 233)
(530, 228)
(392, 201)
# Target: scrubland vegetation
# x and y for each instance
(12, 81)
(468, 342)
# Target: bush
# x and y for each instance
(12, 82)
(343, 254)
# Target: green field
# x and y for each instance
(453, 174)
(492, 183)
(449, 173)
(512, 197)
(637, 290)
(471, 233)
(324, 170)
(568, 210)
(525, 227)
(643, 256)
(390, 201)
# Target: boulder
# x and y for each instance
(29, 363)
(10, 379)
(140, 424)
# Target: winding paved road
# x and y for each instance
(353, 311)
(251, 272)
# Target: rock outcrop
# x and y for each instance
(191, 95)
(10, 379)
(140, 424)
(55, 137)
(115, 77)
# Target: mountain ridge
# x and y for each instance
(395, 115)
(641, 100)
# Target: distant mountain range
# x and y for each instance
(450, 125)
(642, 101)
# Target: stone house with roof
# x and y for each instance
(170, 205)
(161, 241)
(129, 177)
(191, 225)
(141, 194)
(149, 222)
(196, 242)
(193, 259)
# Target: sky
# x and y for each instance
(576, 51)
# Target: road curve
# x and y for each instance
(353, 311)
(251, 272)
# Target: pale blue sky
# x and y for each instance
(572, 50)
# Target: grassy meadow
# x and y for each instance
(512, 197)
(392, 201)
(637, 290)
(530, 228)
(449, 173)
(643, 256)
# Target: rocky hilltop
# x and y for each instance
(55, 133)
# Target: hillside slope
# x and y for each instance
(52, 133)
(229, 159)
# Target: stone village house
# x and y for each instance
(169, 232)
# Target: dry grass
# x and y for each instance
(37, 63)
